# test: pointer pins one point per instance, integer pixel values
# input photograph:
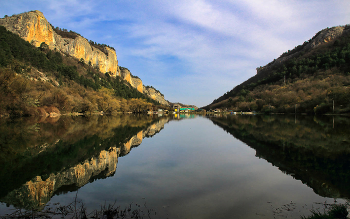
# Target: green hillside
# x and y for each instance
(307, 79)
(33, 80)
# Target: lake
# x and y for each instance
(177, 166)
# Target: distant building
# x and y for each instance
(187, 109)
(176, 107)
(183, 109)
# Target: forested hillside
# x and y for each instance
(307, 79)
(38, 80)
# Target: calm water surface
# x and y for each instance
(192, 167)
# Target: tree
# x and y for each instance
(44, 46)
(82, 61)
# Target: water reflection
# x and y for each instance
(191, 169)
(40, 159)
(315, 150)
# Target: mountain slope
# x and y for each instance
(33, 27)
(39, 81)
(307, 78)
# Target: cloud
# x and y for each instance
(208, 45)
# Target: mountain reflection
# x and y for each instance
(41, 159)
(315, 150)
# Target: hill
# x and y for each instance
(40, 81)
(96, 59)
(306, 79)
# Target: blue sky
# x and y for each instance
(193, 51)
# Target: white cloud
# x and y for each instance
(212, 45)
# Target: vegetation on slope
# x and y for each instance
(309, 81)
(32, 78)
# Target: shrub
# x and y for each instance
(335, 212)
(323, 108)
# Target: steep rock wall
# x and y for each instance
(33, 27)
(133, 81)
(81, 49)
(155, 95)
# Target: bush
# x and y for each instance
(335, 212)
(323, 108)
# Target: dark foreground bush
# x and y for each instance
(335, 212)
(77, 210)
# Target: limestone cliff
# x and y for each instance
(155, 95)
(135, 82)
(33, 27)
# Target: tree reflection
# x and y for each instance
(315, 150)
(47, 158)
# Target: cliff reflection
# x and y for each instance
(39, 160)
(313, 150)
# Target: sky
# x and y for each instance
(192, 51)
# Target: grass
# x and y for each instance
(336, 211)
(77, 210)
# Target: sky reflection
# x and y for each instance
(193, 169)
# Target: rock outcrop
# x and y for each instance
(33, 27)
(155, 95)
(135, 82)
(322, 37)
(325, 36)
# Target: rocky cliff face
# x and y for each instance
(137, 83)
(34, 28)
(325, 36)
(155, 95)
(132, 80)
